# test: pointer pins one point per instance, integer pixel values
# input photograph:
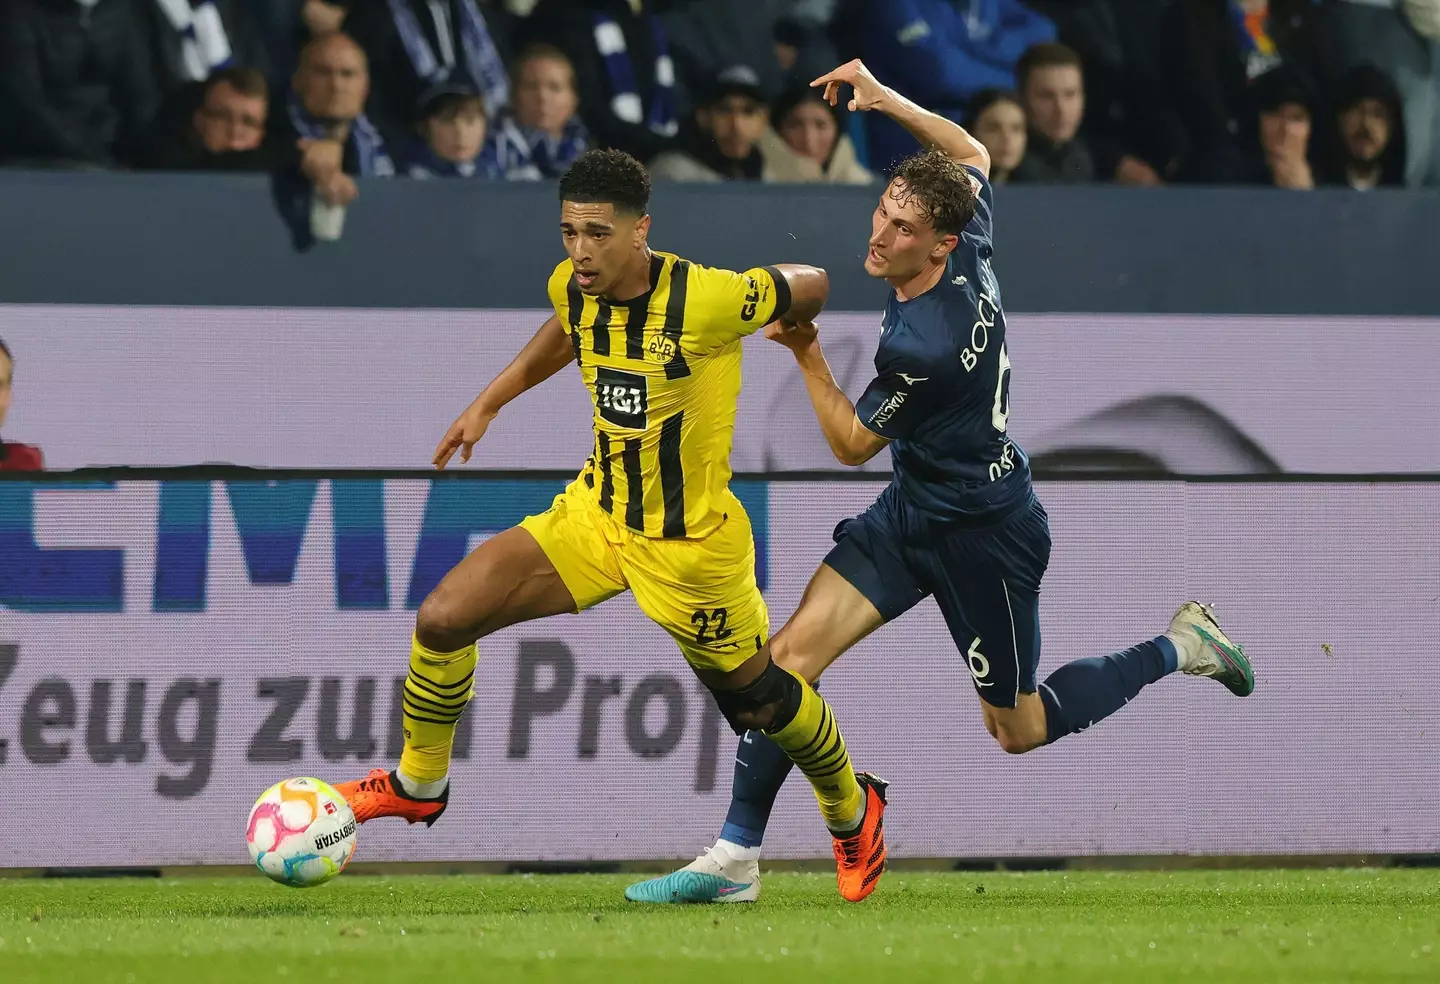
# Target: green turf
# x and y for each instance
(1217, 927)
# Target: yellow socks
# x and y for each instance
(812, 740)
(436, 692)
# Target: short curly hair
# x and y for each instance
(940, 188)
(609, 176)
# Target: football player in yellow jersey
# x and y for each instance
(657, 342)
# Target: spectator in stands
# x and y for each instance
(997, 120)
(1402, 38)
(939, 53)
(540, 133)
(324, 132)
(722, 141)
(13, 457)
(415, 44)
(1052, 92)
(1369, 131)
(76, 85)
(226, 132)
(188, 41)
(1284, 104)
(806, 143)
(1214, 50)
(452, 129)
(1126, 98)
(623, 71)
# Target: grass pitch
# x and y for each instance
(1217, 927)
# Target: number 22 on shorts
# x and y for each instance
(710, 626)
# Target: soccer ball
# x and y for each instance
(301, 833)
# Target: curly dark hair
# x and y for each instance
(610, 176)
(940, 188)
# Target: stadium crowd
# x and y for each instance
(1291, 93)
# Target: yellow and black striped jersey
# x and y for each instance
(663, 371)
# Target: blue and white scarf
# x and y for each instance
(375, 162)
(526, 154)
(424, 163)
(483, 65)
(204, 46)
(625, 100)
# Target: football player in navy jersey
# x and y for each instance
(959, 520)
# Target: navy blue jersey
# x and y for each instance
(942, 393)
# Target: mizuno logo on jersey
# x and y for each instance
(912, 380)
(960, 281)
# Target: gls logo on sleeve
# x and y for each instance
(623, 398)
(753, 297)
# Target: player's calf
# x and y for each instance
(508, 579)
(1086, 691)
(799, 720)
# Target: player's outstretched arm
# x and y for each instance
(850, 441)
(542, 357)
(808, 288)
(931, 129)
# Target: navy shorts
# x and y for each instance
(986, 581)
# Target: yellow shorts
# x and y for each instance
(701, 591)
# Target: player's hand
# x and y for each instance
(468, 428)
(795, 337)
(867, 92)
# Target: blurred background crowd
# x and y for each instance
(1290, 93)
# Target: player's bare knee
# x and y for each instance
(789, 651)
(794, 659)
(442, 625)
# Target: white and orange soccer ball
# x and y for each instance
(301, 832)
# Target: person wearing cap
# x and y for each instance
(414, 45)
(1284, 108)
(451, 135)
(13, 457)
(1369, 132)
(722, 141)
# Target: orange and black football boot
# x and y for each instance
(380, 795)
(860, 858)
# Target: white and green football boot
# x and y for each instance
(1205, 650)
(712, 877)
